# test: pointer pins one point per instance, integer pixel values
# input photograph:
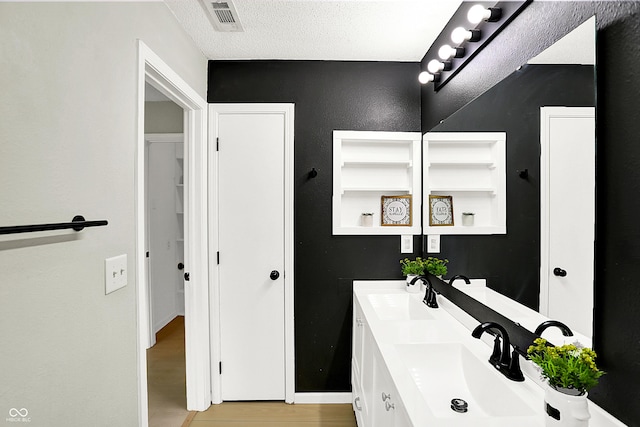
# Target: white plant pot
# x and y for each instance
(564, 410)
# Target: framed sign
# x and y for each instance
(396, 210)
(440, 210)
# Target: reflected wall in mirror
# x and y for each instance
(561, 76)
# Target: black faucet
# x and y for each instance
(507, 364)
(430, 294)
(459, 276)
(544, 325)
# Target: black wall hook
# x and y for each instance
(524, 174)
(313, 173)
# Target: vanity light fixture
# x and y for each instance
(459, 42)
(479, 13)
(448, 52)
(461, 34)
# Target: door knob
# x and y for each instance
(186, 276)
(274, 275)
(559, 272)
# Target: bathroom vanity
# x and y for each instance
(418, 366)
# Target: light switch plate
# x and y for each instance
(406, 244)
(115, 273)
(433, 243)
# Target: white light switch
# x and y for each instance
(433, 243)
(115, 273)
(406, 244)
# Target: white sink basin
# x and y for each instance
(418, 331)
(400, 306)
(443, 372)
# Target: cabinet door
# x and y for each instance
(358, 341)
(358, 402)
(386, 408)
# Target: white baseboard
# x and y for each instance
(164, 322)
(322, 397)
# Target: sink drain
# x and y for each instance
(459, 405)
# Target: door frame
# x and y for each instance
(153, 70)
(546, 113)
(287, 110)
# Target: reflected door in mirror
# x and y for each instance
(567, 217)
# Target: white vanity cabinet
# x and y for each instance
(375, 399)
(361, 365)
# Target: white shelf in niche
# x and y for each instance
(377, 190)
(402, 163)
(470, 167)
(368, 165)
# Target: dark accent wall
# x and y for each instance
(381, 96)
(513, 106)
(617, 293)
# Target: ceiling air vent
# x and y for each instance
(223, 15)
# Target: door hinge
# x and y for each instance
(218, 257)
(217, 144)
(147, 254)
(220, 367)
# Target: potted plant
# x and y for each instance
(570, 371)
(411, 269)
(436, 266)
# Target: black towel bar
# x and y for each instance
(77, 223)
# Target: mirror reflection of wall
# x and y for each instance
(513, 106)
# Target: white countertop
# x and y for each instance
(450, 324)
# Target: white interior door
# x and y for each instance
(568, 216)
(251, 244)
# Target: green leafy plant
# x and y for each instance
(569, 366)
(412, 266)
(436, 266)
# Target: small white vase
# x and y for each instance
(565, 410)
(415, 288)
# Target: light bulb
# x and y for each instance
(425, 77)
(446, 52)
(479, 13)
(460, 34)
(435, 66)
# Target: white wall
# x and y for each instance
(68, 76)
(163, 117)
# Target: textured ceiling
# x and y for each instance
(349, 30)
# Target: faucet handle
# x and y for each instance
(514, 372)
(494, 359)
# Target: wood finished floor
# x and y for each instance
(166, 377)
(167, 396)
(274, 414)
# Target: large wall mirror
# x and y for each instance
(545, 261)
